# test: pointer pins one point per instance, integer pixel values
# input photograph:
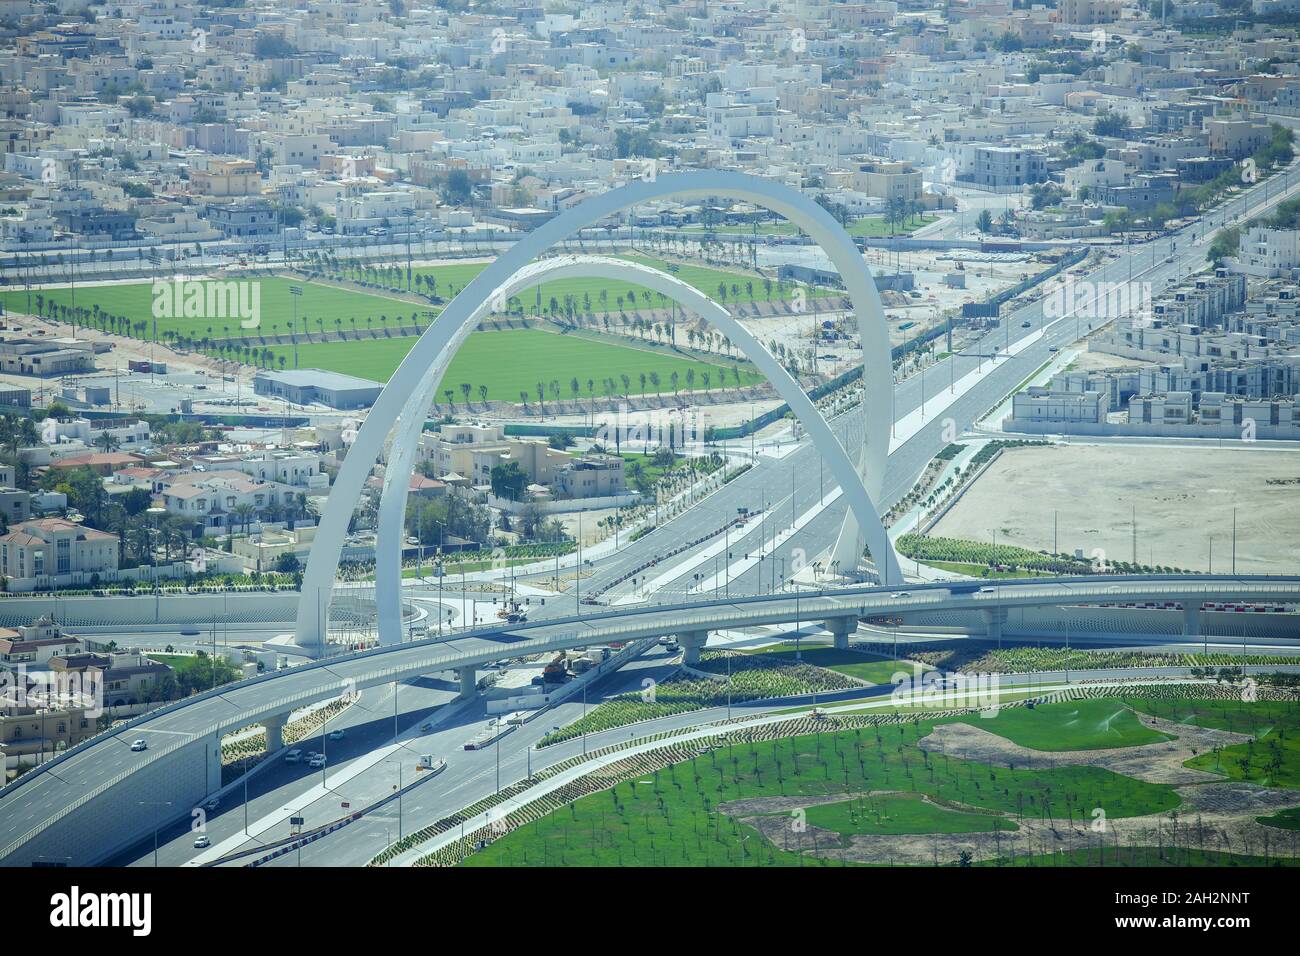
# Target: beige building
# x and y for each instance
(126, 678)
(592, 476)
(54, 551)
(227, 177)
(472, 451)
(35, 644)
(1237, 138)
(887, 180)
(1088, 11)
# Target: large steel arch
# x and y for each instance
(322, 564)
(392, 507)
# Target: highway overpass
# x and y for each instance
(101, 796)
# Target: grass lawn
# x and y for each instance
(515, 360)
(320, 305)
(671, 817)
(178, 662)
(982, 570)
(1283, 819)
(1272, 759)
(702, 463)
(749, 286)
(873, 670)
(1073, 725)
(900, 813)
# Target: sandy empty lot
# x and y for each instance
(1184, 497)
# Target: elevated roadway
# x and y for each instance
(102, 795)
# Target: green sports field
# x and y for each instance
(321, 308)
(740, 286)
(127, 308)
(516, 360)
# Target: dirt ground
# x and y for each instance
(1214, 815)
(1185, 497)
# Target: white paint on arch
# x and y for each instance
(453, 325)
(392, 508)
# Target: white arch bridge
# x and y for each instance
(404, 402)
(100, 797)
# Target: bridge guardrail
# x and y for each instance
(816, 605)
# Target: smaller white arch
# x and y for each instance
(410, 424)
(322, 564)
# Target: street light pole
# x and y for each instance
(155, 803)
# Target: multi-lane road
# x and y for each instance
(954, 393)
(782, 483)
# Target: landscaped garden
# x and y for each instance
(750, 680)
(1071, 725)
(687, 814)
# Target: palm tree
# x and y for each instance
(107, 441)
(243, 515)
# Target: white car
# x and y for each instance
(140, 744)
(335, 735)
(212, 805)
(901, 594)
(316, 762)
(293, 756)
(201, 842)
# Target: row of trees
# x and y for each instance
(622, 385)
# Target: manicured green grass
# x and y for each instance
(1271, 759)
(982, 570)
(587, 292)
(1283, 819)
(515, 360)
(671, 817)
(1073, 725)
(321, 307)
(901, 813)
(873, 670)
(327, 308)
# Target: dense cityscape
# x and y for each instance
(650, 434)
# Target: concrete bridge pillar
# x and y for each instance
(274, 732)
(213, 754)
(841, 628)
(692, 643)
(1191, 618)
(994, 619)
(468, 681)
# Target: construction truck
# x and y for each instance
(513, 613)
(557, 670)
